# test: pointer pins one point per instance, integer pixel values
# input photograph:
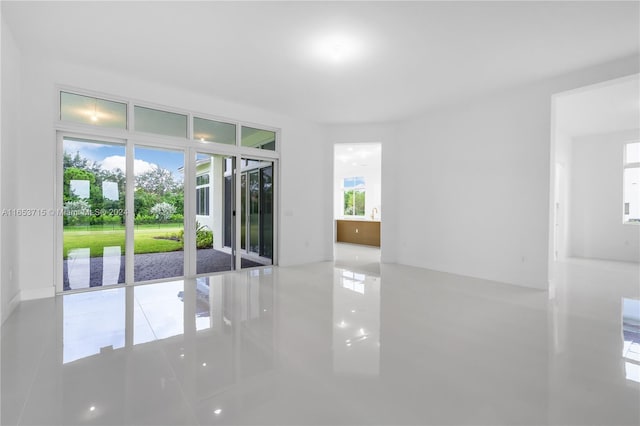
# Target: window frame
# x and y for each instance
(96, 98)
(207, 194)
(131, 138)
(188, 125)
(129, 131)
(354, 189)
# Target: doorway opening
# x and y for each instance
(595, 174)
(357, 191)
(256, 221)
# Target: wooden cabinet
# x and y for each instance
(364, 232)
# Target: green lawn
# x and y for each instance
(97, 237)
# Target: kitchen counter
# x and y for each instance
(358, 231)
(361, 219)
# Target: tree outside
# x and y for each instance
(94, 204)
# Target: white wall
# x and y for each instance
(489, 157)
(596, 228)
(474, 182)
(9, 243)
(304, 183)
(385, 134)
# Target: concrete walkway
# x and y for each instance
(86, 272)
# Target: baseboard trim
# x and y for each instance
(37, 293)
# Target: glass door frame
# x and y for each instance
(189, 148)
(258, 171)
(245, 153)
(129, 144)
(59, 207)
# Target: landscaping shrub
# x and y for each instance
(176, 218)
(113, 220)
(77, 212)
(143, 219)
(96, 220)
(163, 211)
(204, 239)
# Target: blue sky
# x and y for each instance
(112, 156)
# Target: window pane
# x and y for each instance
(266, 212)
(256, 138)
(257, 214)
(254, 211)
(93, 197)
(348, 203)
(243, 211)
(348, 183)
(632, 153)
(94, 111)
(359, 203)
(202, 180)
(214, 131)
(632, 194)
(215, 216)
(159, 214)
(354, 182)
(202, 201)
(160, 122)
(228, 202)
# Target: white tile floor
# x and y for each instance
(358, 343)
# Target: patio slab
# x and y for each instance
(152, 266)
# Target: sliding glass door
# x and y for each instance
(256, 195)
(158, 214)
(93, 202)
(220, 218)
(215, 212)
(214, 208)
(148, 192)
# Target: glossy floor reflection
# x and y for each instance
(327, 344)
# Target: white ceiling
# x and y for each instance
(604, 108)
(357, 158)
(396, 58)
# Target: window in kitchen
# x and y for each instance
(354, 195)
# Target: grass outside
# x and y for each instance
(95, 238)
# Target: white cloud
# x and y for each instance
(114, 162)
(119, 162)
(141, 166)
